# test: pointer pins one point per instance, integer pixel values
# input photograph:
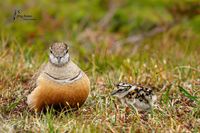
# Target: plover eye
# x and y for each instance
(66, 51)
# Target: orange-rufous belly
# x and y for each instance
(50, 93)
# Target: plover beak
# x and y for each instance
(59, 59)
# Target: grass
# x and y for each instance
(169, 61)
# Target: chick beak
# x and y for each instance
(114, 92)
(116, 85)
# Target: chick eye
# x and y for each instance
(51, 51)
(120, 90)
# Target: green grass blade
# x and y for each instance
(187, 94)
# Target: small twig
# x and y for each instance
(142, 36)
(106, 19)
(104, 22)
(138, 38)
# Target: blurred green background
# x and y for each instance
(98, 26)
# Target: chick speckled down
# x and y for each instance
(138, 96)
